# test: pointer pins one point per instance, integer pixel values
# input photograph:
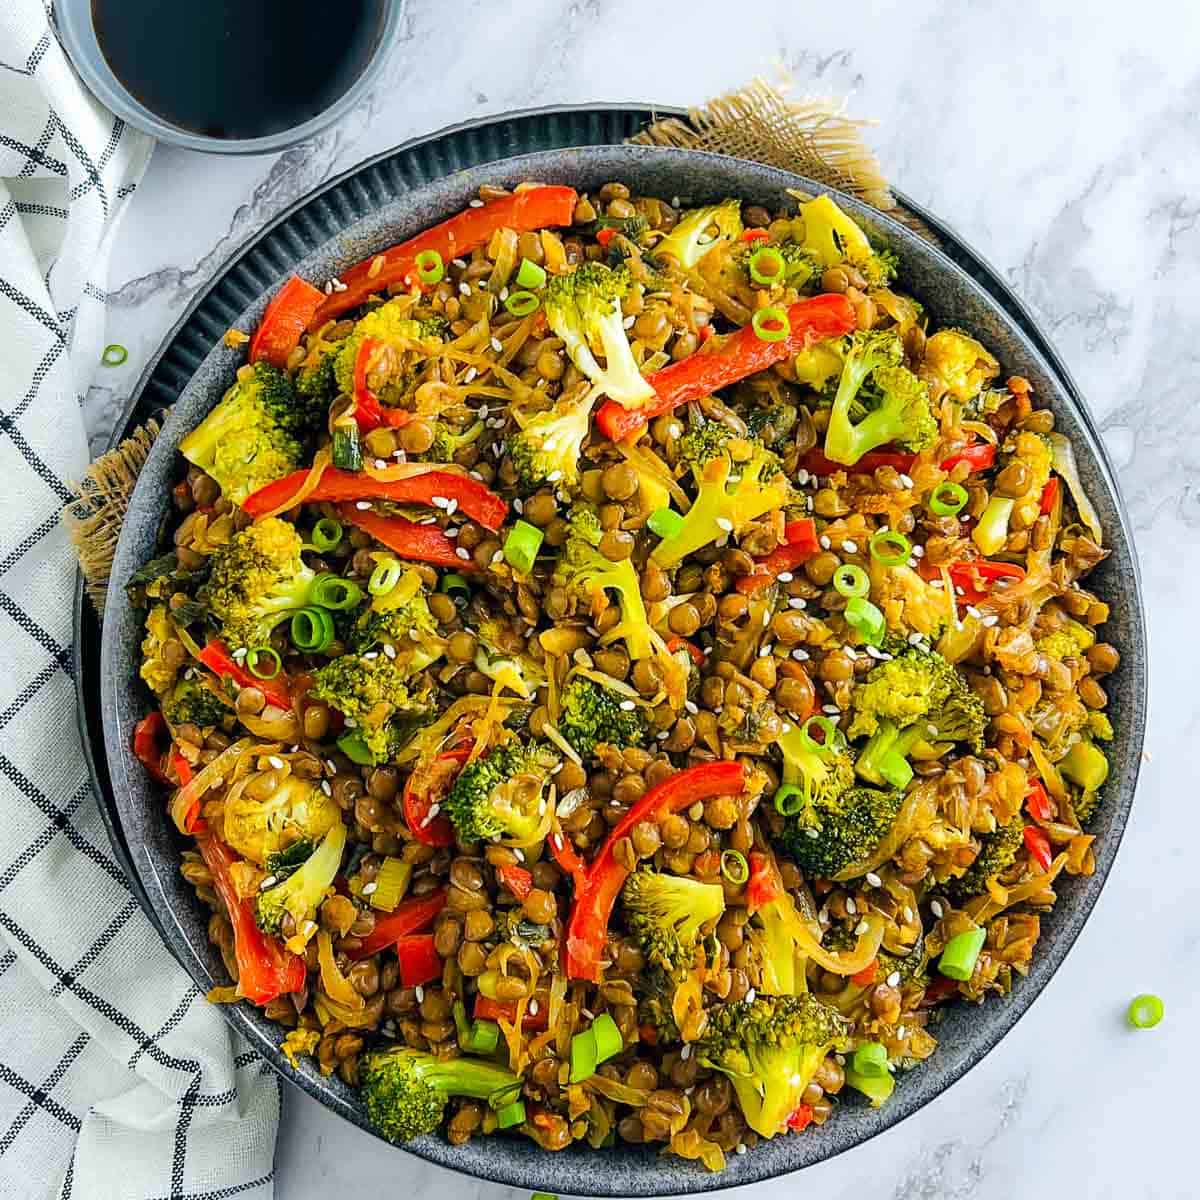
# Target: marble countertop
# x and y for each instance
(1061, 141)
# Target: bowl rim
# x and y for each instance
(1052, 959)
(73, 21)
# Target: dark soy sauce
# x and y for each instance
(237, 68)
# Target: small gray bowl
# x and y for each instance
(73, 19)
(374, 207)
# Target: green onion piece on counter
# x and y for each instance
(585, 1058)
(326, 534)
(850, 580)
(767, 265)
(870, 1060)
(890, 548)
(510, 1115)
(960, 955)
(947, 499)
(866, 617)
(771, 324)
(521, 304)
(665, 522)
(114, 355)
(430, 268)
(346, 452)
(355, 749)
(333, 592)
(1145, 1011)
(457, 587)
(312, 630)
(876, 1088)
(543, 1196)
(896, 770)
(530, 275)
(734, 866)
(483, 1038)
(609, 1042)
(789, 800)
(263, 662)
(828, 740)
(522, 545)
(385, 576)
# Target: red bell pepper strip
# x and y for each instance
(1037, 802)
(740, 354)
(518, 880)
(567, 858)
(149, 735)
(428, 785)
(183, 770)
(285, 320)
(1049, 497)
(980, 457)
(680, 643)
(506, 1010)
(216, 657)
(471, 497)
(532, 209)
(866, 976)
(764, 884)
(970, 577)
(801, 1118)
(588, 925)
(419, 543)
(368, 412)
(266, 969)
(1038, 845)
(799, 544)
(604, 236)
(419, 959)
(756, 235)
(409, 916)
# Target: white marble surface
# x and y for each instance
(1062, 141)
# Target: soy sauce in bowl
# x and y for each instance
(237, 69)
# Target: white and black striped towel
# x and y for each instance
(117, 1080)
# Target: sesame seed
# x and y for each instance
(750, 995)
(893, 979)
(330, 766)
(766, 618)
(874, 879)
(326, 788)
(831, 709)
(663, 735)
(906, 480)
(901, 1031)
(628, 322)
(469, 377)
(691, 707)
(380, 464)
(935, 906)
(850, 547)
(587, 1012)
(797, 602)
(936, 583)
(463, 553)
(908, 914)
(848, 651)
(240, 653)
(764, 651)
(802, 477)
(784, 577)
(276, 762)
(628, 705)
(554, 476)
(685, 1053)
(474, 204)
(504, 293)
(451, 509)
(725, 523)
(696, 811)
(876, 654)
(453, 531)
(989, 620)
(266, 883)
(519, 853)
(369, 889)
(972, 611)
(458, 262)
(800, 655)
(918, 552)
(862, 927)
(812, 833)
(913, 638)
(363, 505)
(519, 505)
(740, 1148)
(533, 1008)
(851, 907)
(420, 992)
(825, 542)
(498, 556)
(958, 591)
(840, 1059)
(350, 722)
(434, 809)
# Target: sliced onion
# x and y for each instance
(335, 985)
(1065, 465)
(284, 727)
(622, 1093)
(209, 777)
(842, 962)
(984, 908)
(985, 431)
(321, 460)
(406, 470)
(657, 469)
(918, 811)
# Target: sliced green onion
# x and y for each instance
(666, 522)
(734, 866)
(896, 769)
(483, 1038)
(890, 548)
(327, 534)
(430, 268)
(510, 1115)
(609, 1042)
(354, 747)
(866, 617)
(530, 275)
(947, 499)
(312, 629)
(347, 448)
(522, 545)
(333, 592)
(789, 800)
(114, 355)
(543, 1196)
(385, 576)
(521, 304)
(876, 1088)
(871, 1060)
(585, 1058)
(263, 662)
(767, 265)
(1145, 1011)
(771, 324)
(828, 741)
(961, 953)
(461, 1024)
(457, 587)
(851, 580)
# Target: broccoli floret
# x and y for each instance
(317, 381)
(290, 859)
(388, 323)
(702, 443)
(901, 690)
(699, 230)
(656, 989)
(582, 567)
(827, 840)
(372, 691)
(257, 580)
(258, 826)
(821, 777)
(191, 703)
(1071, 641)
(401, 619)
(997, 852)
(301, 892)
(590, 715)
(406, 1091)
(548, 448)
(911, 966)
(896, 401)
(833, 238)
(770, 1048)
(777, 935)
(666, 914)
(447, 443)
(255, 435)
(721, 508)
(501, 656)
(583, 308)
(1036, 453)
(634, 228)
(503, 794)
(158, 673)
(820, 366)
(955, 363)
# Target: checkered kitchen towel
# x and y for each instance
(117, 1080)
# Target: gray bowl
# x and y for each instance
(73, 20)
(967, 1033)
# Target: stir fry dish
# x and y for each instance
(621, 670)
